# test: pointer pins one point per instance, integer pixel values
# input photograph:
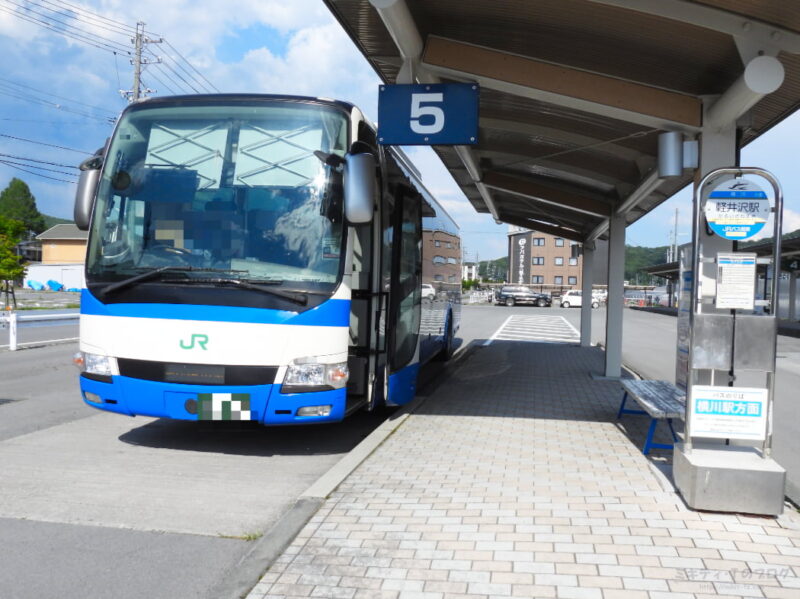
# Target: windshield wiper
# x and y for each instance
(263, 287)
(155, 273)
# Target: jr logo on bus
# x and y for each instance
(199, 340)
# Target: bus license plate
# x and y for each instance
(223, 406)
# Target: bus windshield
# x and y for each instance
(248, 190)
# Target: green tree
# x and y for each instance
(17, 202)
(11, 232)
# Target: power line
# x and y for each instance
(44, 93)
(24, 170)
(73, 12)
(38, 168)
(51, 18)
(203, 77)
(66, 33)
(192, 79)
(179, 76)
(97, 16)
(160, 81)
(41, 143)
(26, 159)
(14, 94)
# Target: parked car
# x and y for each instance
(512, 295)
(428, 292)
(574, 299)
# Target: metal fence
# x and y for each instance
(12, 320)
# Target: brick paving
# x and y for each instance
(515, 480)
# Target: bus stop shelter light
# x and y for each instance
(670, 154)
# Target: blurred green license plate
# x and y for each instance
(224, 406)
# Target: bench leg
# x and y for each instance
(650, 444)
(622, 409)
(672, 430)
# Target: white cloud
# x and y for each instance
(319, 61)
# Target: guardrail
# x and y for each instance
(13, 318)
(476, 297)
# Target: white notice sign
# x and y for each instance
(736, 281)
(728, 412)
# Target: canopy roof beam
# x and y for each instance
(756, 33)
(562, 85)
(582, 143)
(546, 195)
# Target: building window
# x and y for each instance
(537, 260)
(452, 261)
(558, 280)
(438, 278)
(559, 242)
(437, 243)
(559, 261)
(449, 246)
(451, 279)
(573, 262)
(439, 260)
(537, 279)
(572, 280)
(537, 241)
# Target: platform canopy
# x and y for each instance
(574, 93)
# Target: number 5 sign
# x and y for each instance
(424, 115)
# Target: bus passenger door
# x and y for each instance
(405, 295)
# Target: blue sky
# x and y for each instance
(261, 46)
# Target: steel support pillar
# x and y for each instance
(586, 290)
(792, 295)
(616, 293)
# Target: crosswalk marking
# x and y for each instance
(547, 329)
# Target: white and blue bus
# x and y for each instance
(256, 257)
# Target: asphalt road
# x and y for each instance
(101, 505)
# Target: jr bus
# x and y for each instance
(259, 257)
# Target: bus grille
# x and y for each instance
(198, 374)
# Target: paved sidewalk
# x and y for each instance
(514, 479)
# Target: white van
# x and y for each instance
(574, 299)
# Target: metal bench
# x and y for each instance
(661, 400)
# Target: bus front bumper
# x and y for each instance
(262, 403)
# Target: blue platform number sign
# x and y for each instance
(737, 209)
(428, 114)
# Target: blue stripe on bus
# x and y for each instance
(403, 385)
(331, 313)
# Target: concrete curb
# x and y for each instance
(266, 550)
(249, 570)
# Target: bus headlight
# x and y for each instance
(308, 375)
(95, 364)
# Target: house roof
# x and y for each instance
(63, 232)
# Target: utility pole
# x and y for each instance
(675, 237)
(138, 41)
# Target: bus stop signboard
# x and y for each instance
(428, 114)
(737, 209)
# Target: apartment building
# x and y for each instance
(543, 260)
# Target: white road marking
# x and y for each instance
(497, 332)
(548, 329)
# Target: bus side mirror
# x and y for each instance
(359, 188)
(87, 187)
